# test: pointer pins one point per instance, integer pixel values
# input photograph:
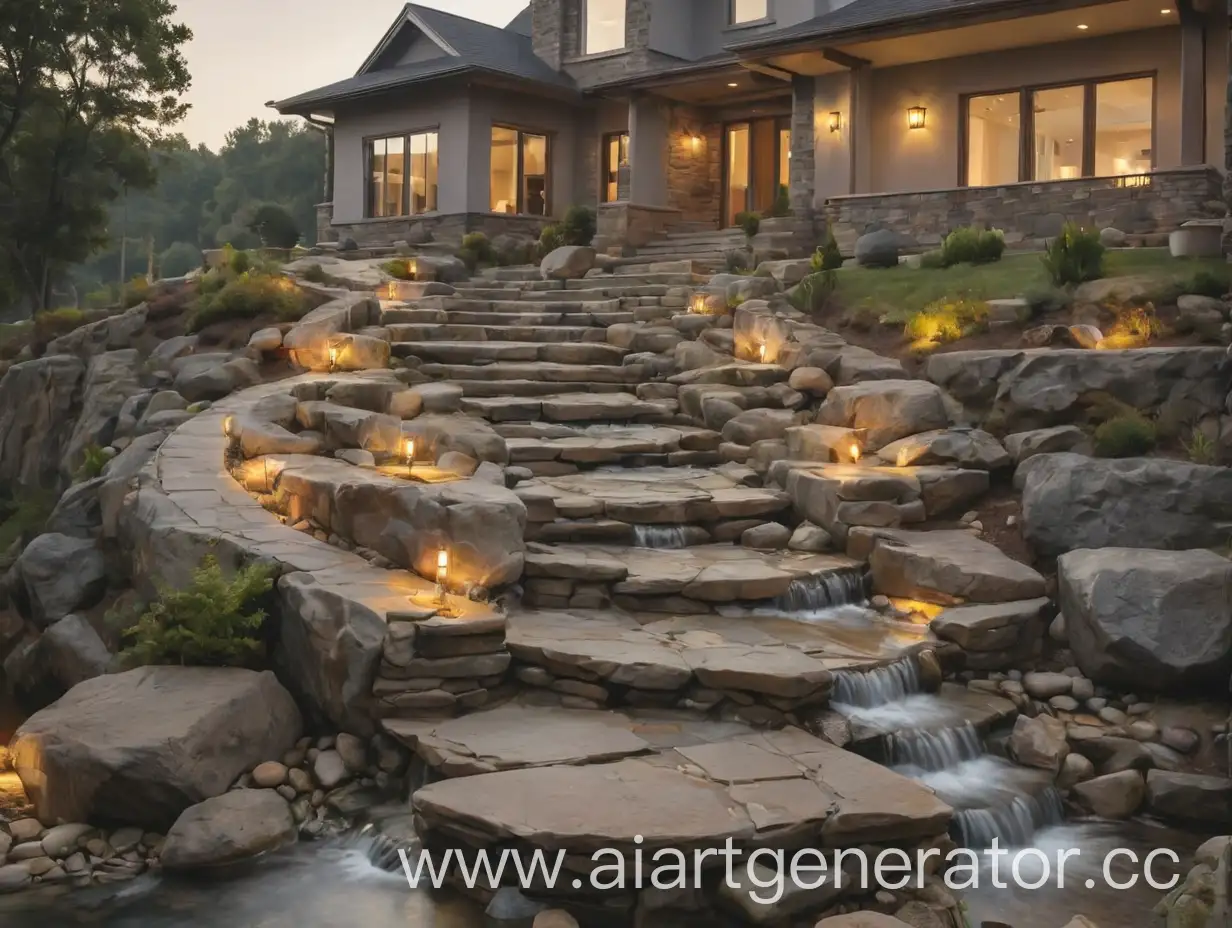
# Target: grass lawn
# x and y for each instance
(903, 290)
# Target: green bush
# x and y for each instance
(1044, 300)
(782, 203)
(947, 320)
(749, 223)
(398, 269)
(52, 323)
(1127, 435)
(827, 257)
(178, 259)
(93, 460)
(102, 298)
(551, 238)
(275, 226)
(476, 251)
(214, 622)
(238, 262)
(812, 294)
(972, 245)
(933, 260)
(1074, 257)
(1210, 283)
(1200, 449)
(580, 226)
(247, 297)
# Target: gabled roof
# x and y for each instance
(468, 47)
(861, 15)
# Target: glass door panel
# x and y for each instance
(739, 174)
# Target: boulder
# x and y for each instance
(1113, 796)
(995, 637)
(1136, 617)
(570, 262)
(755, 425)
(949, 568)
(1202, 315)
(768, 537)
(39, 401)
(60, 575)
(266, 340)
(110, 380)
(811, 380)
(879, 249)
(205, 377)
(1190, 799)
(228, 828)
(112, 333)
(887, 409)
(73, 651)
(810, 538)
(965, 447)
(141, 747)
(1025, 445)
(1039, 742)
(1070, 502)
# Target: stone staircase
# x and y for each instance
(707, 248)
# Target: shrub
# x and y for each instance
(1043, 300)
(827, 257)
(750, 223)
(812, 294)
(551, 238)
(52, 323)
(933, 260)
(973, 246)
(1207, 283)
(947, 320)
(236, 236)
(136, 292)
(398, 269)
(214, 622)
(580, 226)
(782, 203)
(1074, 257)
(102, 298)
(178, 259)
(1135, 327)
(1126, 435)
(247, 297)
(1200, 449)
(93, 460)
(315, 274)
(476, 251)
(275, 226)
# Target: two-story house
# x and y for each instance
(918, 115)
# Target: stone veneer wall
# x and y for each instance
(803, 166)
(325, 218)
(629, 225)
(444, 228)
(1029, 213)
(694, 178)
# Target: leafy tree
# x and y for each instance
(275, 226)
(85, 88)
(179, 259)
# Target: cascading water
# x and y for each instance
(931, 751)
(660, 536)
(1013, 823)
(824, 591)
(878, 687)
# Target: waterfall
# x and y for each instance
(824, 591)
(877, 687)
(932, 751)
(1013, 823)
(660, 536)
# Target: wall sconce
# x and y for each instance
(696, 141)
(836, 121)
(916, 116)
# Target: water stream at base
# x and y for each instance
(818, 593)
(661, 536)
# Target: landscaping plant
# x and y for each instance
(947, 320)
(827, 257)
(1126, 435)
(1074, 257)
(972, 245)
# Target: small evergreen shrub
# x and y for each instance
(580, 226)
(947, 320)
(813, 294)
(93, 460)
(827, 257)
(248, 296)
(1126, 435)
(972, 245)
(782, 203)
(551, 238)
(214, 622)
(749, 223)
(933, 260)
(1210, 283)
(1200, 449)
(1074, 257)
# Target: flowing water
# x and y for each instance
(820, 593)
(661, 536)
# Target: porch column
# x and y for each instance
(329, 165)
(1193, 84)
(648, 141)
(861, 130)
(802, 171)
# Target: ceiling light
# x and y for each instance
(1083, 26)
(1164, 12)
(733, 84)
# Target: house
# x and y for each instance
(915, 115)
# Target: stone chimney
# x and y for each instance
(547, 30)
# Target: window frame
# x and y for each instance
(606, 167)
(584, 32)
(520, 170)
(405, 205)
(733, 23)
(1026, 138)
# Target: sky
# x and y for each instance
(247, 52)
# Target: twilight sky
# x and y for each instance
(245, 52)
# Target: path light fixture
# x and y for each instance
(333, 358)
(698, 304)
(916, 117)
(836, 121)
(412, 268)
(442, 574)
(391, 292)
(761, 353)
(855, 453)
(410, 454)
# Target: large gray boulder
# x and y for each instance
(141, 747)
(39, 401)
(110, 380)
(1148, 619)
(229, 828)
(887, 409)
(569, 262)
(74, 652)
(59, 575)
(1190, 798)
(879, 249)
(949, 568)
(207, 377)
(1070, 501)
(114, 333)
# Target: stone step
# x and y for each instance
(432, 332)
(454, 352)
(557, 450)
(551, 372)
(707, 261)
(528, 273)
(564, 407)
(509, 301)
(553, 296)
(514, 388)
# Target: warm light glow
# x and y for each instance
(1083, 26)
(698, 304)
(393, 290)
(761, 353)
(904, 458)
(855, 453)
(412, 268)
(442, 559)
(916, 117)
(1164, 12)
(410, 455)
(697, 142)
(836, 121)
(333, 357)
(733, 84)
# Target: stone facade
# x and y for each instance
(694, 172)
(1030, 213)
(443, 228)
(803, 167)
(325, 219)
(626, 224)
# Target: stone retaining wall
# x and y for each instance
(442, 227)
(1029, 213)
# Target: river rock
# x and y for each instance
(228, 828)
(1190, 798)
(269, 775)
(888, 409)
(59, 575)
(768, 537)
(1074, 769)
(144, 745)
(1135, 616)
(1039, 742)
(14, 878)
(949, 568)
(1047, 685)
(62, 840)
(1114, 796)
(1070, 501)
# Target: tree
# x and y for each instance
(275, 226)
(85, 88)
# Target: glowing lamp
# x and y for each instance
(761, 354)
(412, 268)
(442, 574)
(836, 121)
(333, 357)
(698, 303)
(855, 453)
(697, 143)
(393, 290)
(916, 116)
(410, 456)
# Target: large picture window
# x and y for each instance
(615, 153)
(604, 29)
(402, 175)
(519, 173)
(1093, 129)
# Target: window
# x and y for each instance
(519, 174)
(604, 30)
(615, 153)
(402, 175)
(749, 11)
(1095, 129)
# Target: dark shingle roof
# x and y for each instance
(864, 14)
(479, 47)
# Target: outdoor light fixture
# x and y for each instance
(333, 357)
(442, 574)
(855, 453)
(733, 84)
(836, 121)
(916, 116)
(410, 454)
(697, 143)
(698, 303)
(1083, 26)
(412, 268)
(761, 354)
(392, 292)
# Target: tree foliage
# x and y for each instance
(211, 623)
(85, 88)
